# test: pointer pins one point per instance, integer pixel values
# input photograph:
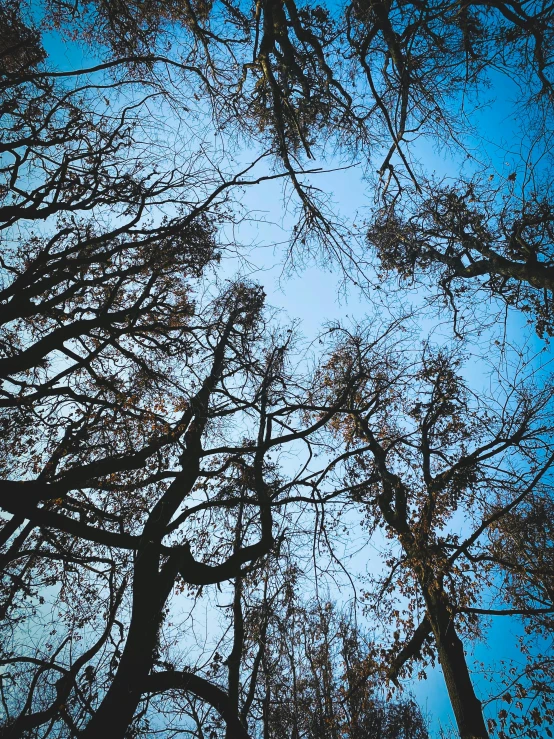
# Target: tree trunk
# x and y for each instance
(118, 706)
(465, 704)
(467, 707)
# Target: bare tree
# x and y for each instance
(427, 449)
(301, 80)
(305, 669)
(113, 491)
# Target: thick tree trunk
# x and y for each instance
(465, 704)
(117, 709)
(467, 707)
(393, 502)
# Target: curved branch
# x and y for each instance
(159, 682)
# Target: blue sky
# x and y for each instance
(314, 295)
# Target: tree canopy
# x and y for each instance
(213, 525)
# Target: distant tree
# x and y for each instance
(321, 680)
(300, 669)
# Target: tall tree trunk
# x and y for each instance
(465, 704)
(234, 659)
(118, 706)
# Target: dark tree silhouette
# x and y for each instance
(427, 449)
(467, 235)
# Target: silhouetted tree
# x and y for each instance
(474, 239)
(428, 449)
